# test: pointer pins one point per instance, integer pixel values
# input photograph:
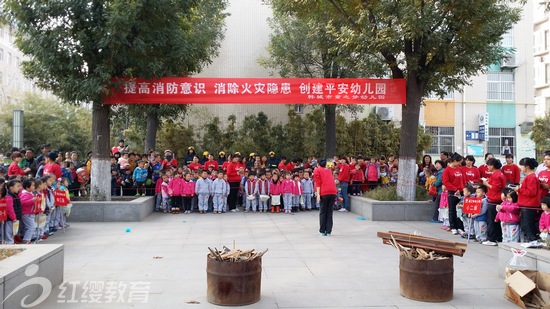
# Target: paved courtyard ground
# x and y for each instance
(350, 269)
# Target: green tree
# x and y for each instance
(191, 48)
(540, 134)
(294, 135)
(372, 136)
(230, 135)
(76, 48)
(213, 137)
(435, 45)
(279, 139)
(305, 47)
(177, 137)
(314, 130)
(65, 127)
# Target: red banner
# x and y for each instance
(191, 90)
(3, 210)
(60, 198)
(38, 204)
(472, 205)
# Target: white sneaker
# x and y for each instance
(489, 243)
(454, 232)
(342, 210)
(461, 231)
(233, 210)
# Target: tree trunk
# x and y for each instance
(330, 130)
(101, 163)
(152, 127)
(406, 183)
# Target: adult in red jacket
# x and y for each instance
(169, 161)
(195, 165)
(454, 182)
(483, 170)
(284, 165)
(344, 177)
(14, 169)
(325, 189)
(234, 172)
(211, 163)
(544, 177)
(494, 184)
(51, 167)
(470, 172)
(511, 171)
(529, 200)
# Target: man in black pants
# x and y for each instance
(326, 191)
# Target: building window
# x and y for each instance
(508, 38)
(1, 54)
(502, 141)
(500, 86)
(546, 40)
(299, 108)
(449, 95)
(9, 58)
(547, 73)
(443, 139)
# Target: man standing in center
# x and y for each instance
(326, 195)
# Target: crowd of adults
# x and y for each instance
(530, 181)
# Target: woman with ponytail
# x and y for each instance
(454, 182)
(529, 200)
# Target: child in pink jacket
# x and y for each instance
(544, 223)
(176, 189)
(275, 193)
(158, 193)
(187, 192)
(297, 192)
(27, 209)
(508, 215)
(287, 188)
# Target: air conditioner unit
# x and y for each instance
(509, 62)
(526, 127)
(385, 113)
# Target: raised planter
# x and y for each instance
(374, 210)
(120, 210)
(39, 262)
(535, 259)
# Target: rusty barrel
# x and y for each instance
(233, 283)
(426, 280)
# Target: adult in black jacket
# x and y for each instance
(272, 162)
(189, 157)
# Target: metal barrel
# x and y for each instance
(426, 280)
(233, 283)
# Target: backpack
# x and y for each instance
(372, 173)
(66, 173)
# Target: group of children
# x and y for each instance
(208, 190)
(30, 209)
(508, 215)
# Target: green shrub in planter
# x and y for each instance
(390, 194)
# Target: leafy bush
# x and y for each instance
(390, 194)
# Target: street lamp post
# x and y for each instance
(18, 124)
